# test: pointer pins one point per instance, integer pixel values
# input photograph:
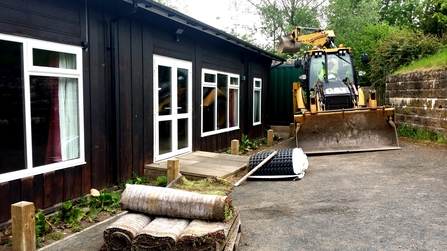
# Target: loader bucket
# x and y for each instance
(353, 130)
(288, 45)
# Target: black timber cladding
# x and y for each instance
(138, 38)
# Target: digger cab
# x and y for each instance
(332, 114)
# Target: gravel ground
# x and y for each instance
(384, 200)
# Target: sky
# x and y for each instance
(216, 13)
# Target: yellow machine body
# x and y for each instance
(345, 130)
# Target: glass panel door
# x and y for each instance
(172, 113)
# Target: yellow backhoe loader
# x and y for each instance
(331, 113)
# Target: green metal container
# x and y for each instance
(280, 106)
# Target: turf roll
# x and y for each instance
(170, 202)
(161, 234)
(119, 235)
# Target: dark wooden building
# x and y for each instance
(92, 90)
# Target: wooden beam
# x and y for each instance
(235, 147)
(270, 137)
(23, 226)
(173, 171)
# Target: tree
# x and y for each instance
(433, 17)
(399, 12)
(348, 17)
(278, 18)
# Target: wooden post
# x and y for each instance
(173, 169)
(235, 147)
(270, 137)
(23, 226)
(291, 130)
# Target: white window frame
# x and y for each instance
(29, 69)
(174, 64)
(214, 85)
(257, 109)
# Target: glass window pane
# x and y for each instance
(54, 119)
(182, 133)
(165, 137)
(12, 124)
(52, 59)
(210, 78)
(258, 83)
(234, 81)
(257, 107)
(234, 107)
(222, 101)
(164, 90)
(209, 95)
(182, 90)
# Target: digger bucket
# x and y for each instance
(354, 130)
(288, 45)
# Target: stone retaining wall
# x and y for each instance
(420, 99)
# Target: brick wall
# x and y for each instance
(420, 99)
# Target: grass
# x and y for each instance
(437, 61)
(213, 185)
(421, 135)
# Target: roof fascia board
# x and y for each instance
(181, 18)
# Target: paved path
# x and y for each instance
(384, 200)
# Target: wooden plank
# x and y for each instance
(87, 179)
(77, 180)
(99, 123)
(14, 191)
(49, 189)
(68, 184)
(23, 226)
(5, 205)
(53, 22)
(148, 93)
(124, 85)
(27, 189)
(38, 191)
(137, 101)
(234, 236)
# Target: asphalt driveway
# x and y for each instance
(384, 200)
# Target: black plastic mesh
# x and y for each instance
(280, 164)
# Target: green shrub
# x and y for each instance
(398, 49)
(418, 134)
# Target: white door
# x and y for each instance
(172, 107)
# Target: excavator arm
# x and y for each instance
(319, 38)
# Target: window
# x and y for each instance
(257, 89)
(220, 103)
(41, 112)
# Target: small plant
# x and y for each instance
(139, 180)
(104, 201)
(43, 227)
(55, 236)
(70, 214)
(76, 228)
(418, 134)
(246, 144)
(161, 181)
